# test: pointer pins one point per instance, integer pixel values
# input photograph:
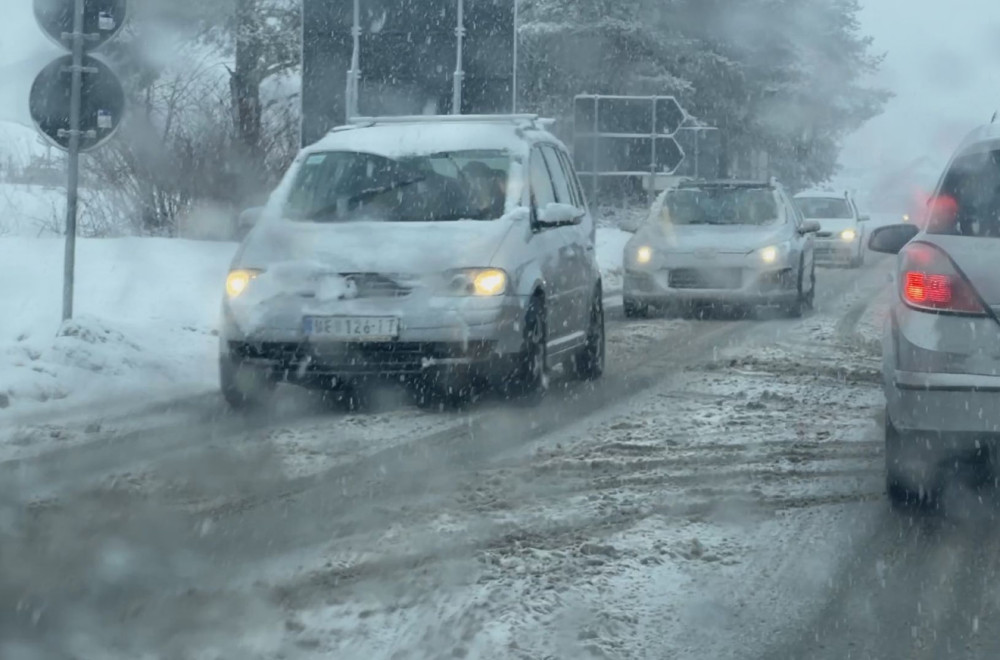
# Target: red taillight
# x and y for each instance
(931, 281)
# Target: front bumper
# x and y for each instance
(443, 333)
(836, 250)
(732, 285)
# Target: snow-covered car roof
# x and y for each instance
(820, 194)
(400, 138)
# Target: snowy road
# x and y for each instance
(717, 495)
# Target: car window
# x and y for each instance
(827, 208)
(721, 206)
(559, 181)
(542, 192)
(574, 182)
(340, 186)
(969, 201)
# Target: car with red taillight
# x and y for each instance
(941, 346)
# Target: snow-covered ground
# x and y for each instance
(144, 323)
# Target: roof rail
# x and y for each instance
(432, 119)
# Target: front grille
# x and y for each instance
(375, 285)
(300, 360)
(691, 278)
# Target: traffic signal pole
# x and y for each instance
(73, 162)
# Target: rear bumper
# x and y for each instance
(756, 287)
(951, 404)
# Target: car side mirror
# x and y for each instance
(890, 239)
(559, 215)
(809, 227)
(248, 220)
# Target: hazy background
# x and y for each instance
(943, 64)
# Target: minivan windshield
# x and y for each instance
(826, 208)
(343, 186)
(721, 206)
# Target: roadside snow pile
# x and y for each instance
(610, 248)
(146, 312)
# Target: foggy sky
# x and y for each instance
(943, 64)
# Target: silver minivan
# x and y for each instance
(441, 251)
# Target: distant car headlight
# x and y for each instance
(238, 280)
(478, 282)
(848, 234)
(644, 255)
(906, 217)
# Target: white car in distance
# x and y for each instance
(841, 236)
(437, 250)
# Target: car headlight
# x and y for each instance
(478, 282)
(773, 253)
(848, 234)
(238, 280)
(644, 255)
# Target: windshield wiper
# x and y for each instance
(326, 210)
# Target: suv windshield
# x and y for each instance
(834, 208)
(969, 202)
(721, 206)
(341, 186)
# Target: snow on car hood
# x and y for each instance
(413, 248)
(732, 239)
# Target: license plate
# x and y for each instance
(352, 328)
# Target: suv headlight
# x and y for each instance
(482, 282)
(238, 280)
(848, 234)
(644, 255)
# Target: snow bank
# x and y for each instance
(145, 317)
(33, 211)
(610, 248)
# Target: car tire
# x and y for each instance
(529, 378)
(634, 309)
(810, 298)
(899, 488)
(245, 388)
(589, 362)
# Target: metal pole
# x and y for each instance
(595, 181)
(513, 103)
(456, 91)
(651, 195)
(354, 75)
(73, 163)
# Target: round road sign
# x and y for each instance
(102, 102)
(102, 20)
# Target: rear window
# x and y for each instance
(968, 203)
(824, 208)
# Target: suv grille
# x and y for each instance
(690, 278)
(374, 285)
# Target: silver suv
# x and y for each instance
(442, 251)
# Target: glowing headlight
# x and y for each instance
(769, 254)
(644, 254)
(478, 282)
(848, 234)
(906, 217)
(489, 282)
(238, 281)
